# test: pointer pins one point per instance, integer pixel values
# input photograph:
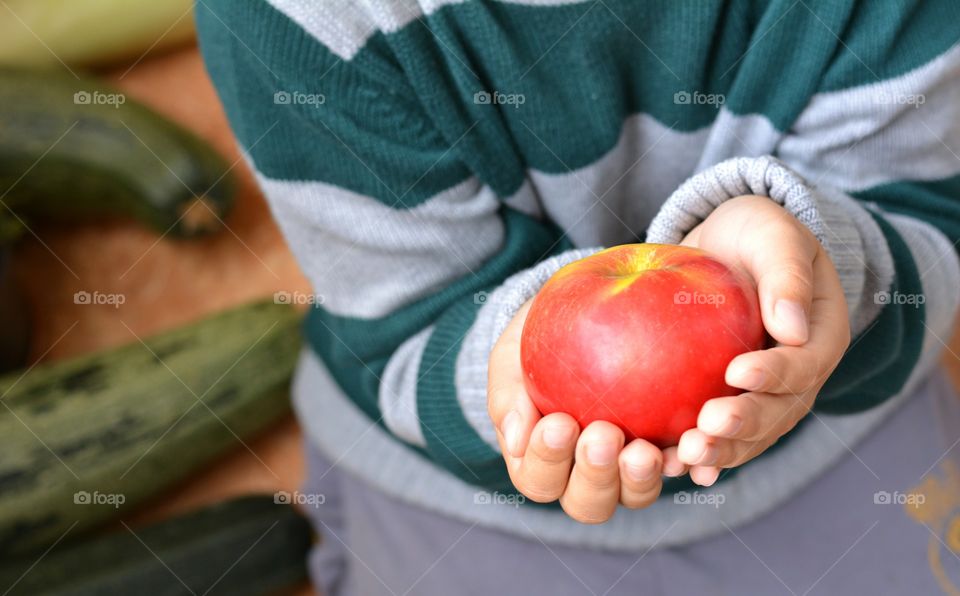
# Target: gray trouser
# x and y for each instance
(886, 520)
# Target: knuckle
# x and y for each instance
(794, 277)
(549, 455)
(598, 479)
(633, 499)
(539, 493)
(499, 398)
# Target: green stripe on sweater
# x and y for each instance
(879, 361)
(451, 440)
(936, 202)
(403, 107)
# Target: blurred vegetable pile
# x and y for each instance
(86, 440)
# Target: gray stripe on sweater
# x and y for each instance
(367, 259)
(398, 389)
(871, 135)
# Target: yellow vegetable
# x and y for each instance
(90, 32)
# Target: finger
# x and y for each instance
(697, 448)
(672, 466)
(704, 475)
(593, 490)
(796, 369)
(780, 259)
(545, 467)
(781, 369)
(511, 409)
(640, 465)
(753, 416)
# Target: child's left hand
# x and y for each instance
(803, 309)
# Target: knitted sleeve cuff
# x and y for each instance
(493, 317)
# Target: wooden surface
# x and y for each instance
(168, 282)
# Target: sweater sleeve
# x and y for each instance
(403, 245)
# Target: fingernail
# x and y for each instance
(557, 436)
(601, 454)
(730, 426)
(640, 472)
(511, 431)
(790, 315)
(672, 468)
(751, 379)
(712, 480)
(716, 423)
(701, 457)
(708, 456)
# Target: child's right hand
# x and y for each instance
(549, 458)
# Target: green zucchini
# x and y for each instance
(44, 33)
(85, 440)
(74, 147)
(245, 546)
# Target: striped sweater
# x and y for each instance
(433, 162)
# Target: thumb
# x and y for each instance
(784, 273)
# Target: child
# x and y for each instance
(432, 163)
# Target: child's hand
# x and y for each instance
(539, 451)
(803, 309)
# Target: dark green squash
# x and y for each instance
(245, 546)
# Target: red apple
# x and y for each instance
(639, 335)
